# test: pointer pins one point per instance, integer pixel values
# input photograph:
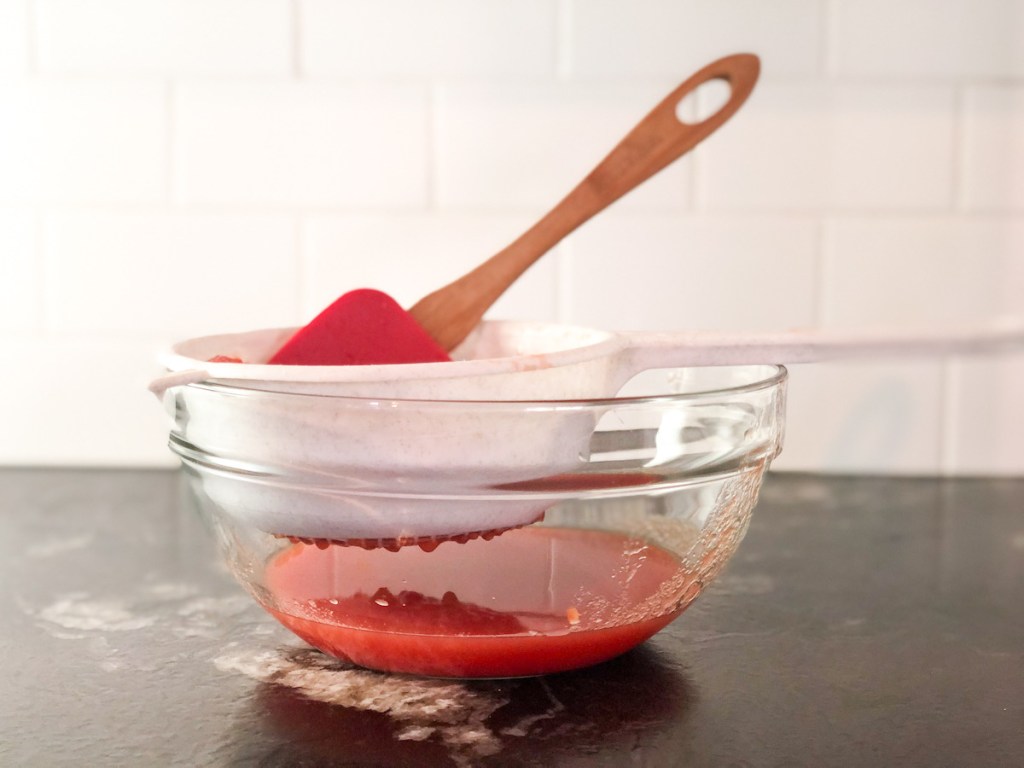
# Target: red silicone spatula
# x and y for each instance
(367, 327)
(363, 327)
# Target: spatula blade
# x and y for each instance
(363, 327)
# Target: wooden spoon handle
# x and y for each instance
(450, 313)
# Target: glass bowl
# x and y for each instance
(480, 539)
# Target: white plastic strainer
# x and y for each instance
(504, 360)
(279, 441)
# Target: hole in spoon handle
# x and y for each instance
(661, 138)
(739, 72)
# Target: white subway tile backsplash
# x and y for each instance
(930, 38)
(82, 142)
(409, 256)
(526, 145)
(170, 168)
(666, 272)
(296, 144)
(164, 37)
(175, 274)
(19, 283)
(922, 271)
(987, 413)
(672, 38)
(14, 37)
(82, 401)
(993, 171)
(861, 417)
(377, 38)
(823, 146)
(931, 273)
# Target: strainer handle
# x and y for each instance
(647, 350)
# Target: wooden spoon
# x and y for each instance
(450, 313)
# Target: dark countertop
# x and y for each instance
(863, 622)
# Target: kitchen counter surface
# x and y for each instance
(863, 622)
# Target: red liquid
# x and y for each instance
(529, 602)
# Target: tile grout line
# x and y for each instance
(563, 40)
(958, 160)
(827, 63)
(299, 263)
(821, 271)
(949, 380)
(563, 273)
(694, 170)
(949, 388)
(295, 39)
(170, 144)
(696, 202)
(32, 38)
(40, 212)
(715, 213)
(431, 146)
(39, 252)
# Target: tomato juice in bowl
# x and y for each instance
(444, 562)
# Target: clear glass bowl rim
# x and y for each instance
(776, 376)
